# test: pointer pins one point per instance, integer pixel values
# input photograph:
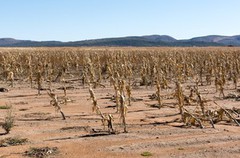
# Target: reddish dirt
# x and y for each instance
(158, 131)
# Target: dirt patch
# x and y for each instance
(160, 132)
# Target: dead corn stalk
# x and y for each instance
(11, 77)
(55, 102)
(227, 114)
(129, 93)
(123, 112)
(158, 92)
(180, 96)
(107, 118)
(39, 81)
(188, 115)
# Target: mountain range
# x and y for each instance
(145, 41)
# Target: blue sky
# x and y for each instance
(70, 20)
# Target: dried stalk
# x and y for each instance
(123, 112)
(55, 102)
(228, 114)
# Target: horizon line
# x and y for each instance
(117, 37)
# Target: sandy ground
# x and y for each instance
(158, 131)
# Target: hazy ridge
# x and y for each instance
(149, 40)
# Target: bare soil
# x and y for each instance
(157, 131)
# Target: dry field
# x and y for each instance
(119, 102)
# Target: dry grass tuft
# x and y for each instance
(13, 141)
(41, 152)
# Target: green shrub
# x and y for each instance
(146, 153)
(5, 107)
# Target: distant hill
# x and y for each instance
(212, 38)
(8, 41)
(159, 38)
(233, 40)
(146, 41)
(225, 40)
